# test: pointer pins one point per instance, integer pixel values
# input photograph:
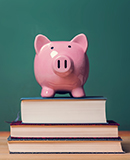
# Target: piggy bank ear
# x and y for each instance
(81, 39)
(40, 41)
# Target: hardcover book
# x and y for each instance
(65, 145)
(63, 110)
(25, 130)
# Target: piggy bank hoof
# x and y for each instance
(47, 92)
(78, 92)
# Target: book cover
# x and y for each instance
(65, 98)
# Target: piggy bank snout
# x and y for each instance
(62, 66)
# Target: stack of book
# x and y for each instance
(64, 125)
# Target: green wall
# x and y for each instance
(107, 26)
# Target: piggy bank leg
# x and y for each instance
(78, 92)
(47, 92)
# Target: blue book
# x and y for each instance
(65, 146)
(63, 110)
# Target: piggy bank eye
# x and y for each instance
(52, 47)
(69, 46)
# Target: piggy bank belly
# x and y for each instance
(63, 84)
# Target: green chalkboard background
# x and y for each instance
(107, 26)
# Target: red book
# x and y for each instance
(27, 130)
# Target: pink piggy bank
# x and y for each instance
(61, 66)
